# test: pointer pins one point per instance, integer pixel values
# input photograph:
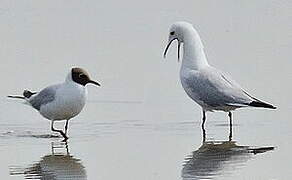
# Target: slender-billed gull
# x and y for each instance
(61, 101)
(206, 85)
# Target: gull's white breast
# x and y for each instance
(69, 101)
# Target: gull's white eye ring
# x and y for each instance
(82, 75)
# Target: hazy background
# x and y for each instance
(140, 124)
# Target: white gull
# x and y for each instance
(206, 85)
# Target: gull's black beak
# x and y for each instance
(94, 82)
(168, 45)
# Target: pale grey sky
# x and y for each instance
(121, 44)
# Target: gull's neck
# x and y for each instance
(69, 80)
(193, 51)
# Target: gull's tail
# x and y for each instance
(25, 95)
(16, 97)
(258, 103)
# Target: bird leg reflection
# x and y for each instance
(62, 145)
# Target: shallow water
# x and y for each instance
(140, 124)
(145, 148)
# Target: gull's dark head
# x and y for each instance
(81, 77)
(177, 32)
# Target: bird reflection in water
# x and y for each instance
(218, 158)
(54, 166)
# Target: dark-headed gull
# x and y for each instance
(61, 101)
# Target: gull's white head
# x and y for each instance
(178, 31)
(80, 76)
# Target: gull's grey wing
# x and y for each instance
(45, 96)
(215, 89)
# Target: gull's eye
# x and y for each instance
(172, 33)
(82, 75)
